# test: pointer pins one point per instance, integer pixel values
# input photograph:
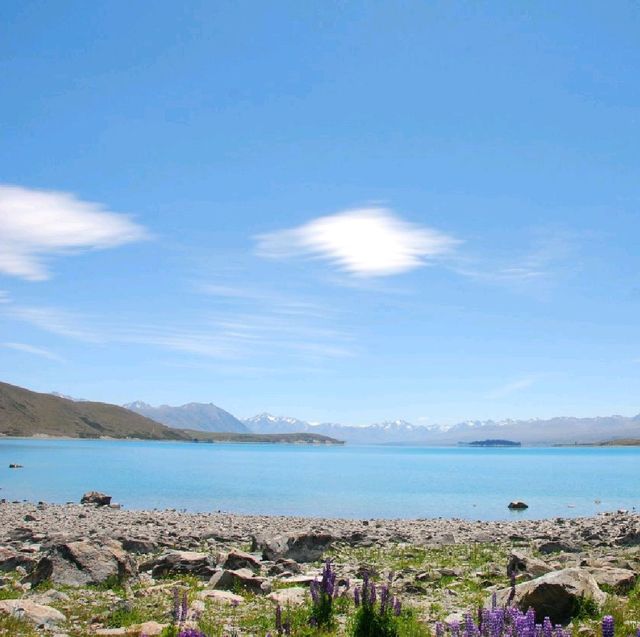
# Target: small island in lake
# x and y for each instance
(490, 443)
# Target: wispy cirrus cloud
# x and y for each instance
(364, 242)
(229, 335)
(31, 349)
(37, 224)
(512, 387)
(550, 253)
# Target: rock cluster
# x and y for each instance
(555, 562)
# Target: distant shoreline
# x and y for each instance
(294, 439)
(267, 439)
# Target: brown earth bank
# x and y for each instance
(90, 569)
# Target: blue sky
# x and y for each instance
(336, 211)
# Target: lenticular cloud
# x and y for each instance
(35, 224)
(364, 242)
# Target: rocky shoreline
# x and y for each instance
(52, 555)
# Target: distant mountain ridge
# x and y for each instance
(560, 430)
(198, 416)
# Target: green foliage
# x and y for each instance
(10, 593)
(11, 626)
(125, 616)
(585, 608)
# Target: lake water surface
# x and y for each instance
(343, 481)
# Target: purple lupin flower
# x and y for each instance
(608, 627)
(439, 628)
(279, 629)
(356, 596)
(384, 599)
(397, 606)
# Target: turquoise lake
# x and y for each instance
(350, 481)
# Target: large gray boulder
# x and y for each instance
(301, 547)
(557, 595)
(181, 563)
(83, 562)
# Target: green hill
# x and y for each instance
(28, 413)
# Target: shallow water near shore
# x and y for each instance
(326, 481)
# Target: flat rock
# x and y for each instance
(37, 614)
(620, 580)
(225, 597)
(293, 596)
(303, 580)
(181, 563)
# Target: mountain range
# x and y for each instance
(199, 416)
(560, 430)
(207, 417)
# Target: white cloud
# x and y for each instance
(366, 242)
(512, 387)
(31, 349)
(35, 224)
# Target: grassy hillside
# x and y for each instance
(28, 413)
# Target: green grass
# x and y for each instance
(13, 626)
